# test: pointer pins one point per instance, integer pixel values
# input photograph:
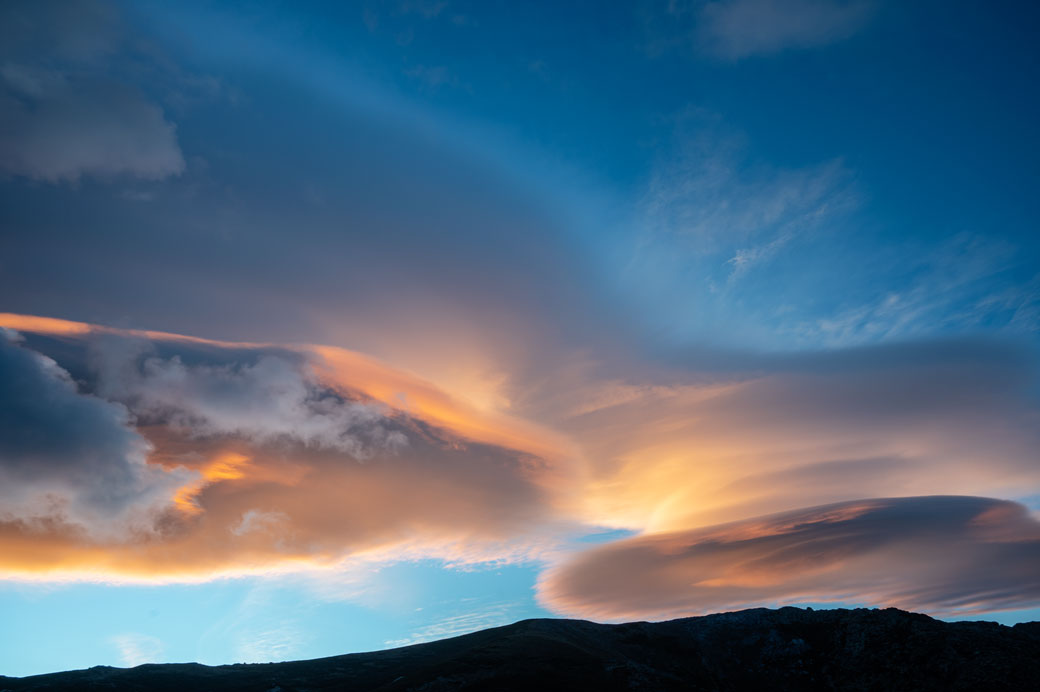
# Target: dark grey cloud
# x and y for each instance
(70, 456)
(65, 112)
(59, 128)
(944, 555)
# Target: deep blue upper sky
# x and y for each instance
(854, 156)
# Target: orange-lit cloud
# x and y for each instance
(360, 374)
(226, 467)
(400, 390)
(235, 458)
(953, 419)
(70, 328)
(945, 555)
(43, 325)
(273, 458)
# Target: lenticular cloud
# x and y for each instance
(945, 555)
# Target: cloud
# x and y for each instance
(490, 615)
(704, 442)
(64, 111)
(269, 399)
(358, 150)
(729, 250)
(278, 465)
(59, 128)
(136, 649)
(967, 282)
(69, 457)
(254, 520)
(664, 451)
(707, 192)
(735, 29)
(280, 643)
(944, 555)
(712, 223)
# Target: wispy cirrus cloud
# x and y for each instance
(968, 282)
(136, 649)
(278, 643)
(475, 618)
(714, 222)
(730, 250)
(708, 193)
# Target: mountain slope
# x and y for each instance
(785, 649)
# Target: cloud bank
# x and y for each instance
(942, 555)
(239, 458)
(235, 458)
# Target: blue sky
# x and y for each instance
(256, 619)
(496, 292)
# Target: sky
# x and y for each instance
(332, 327)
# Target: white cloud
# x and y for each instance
(267, 401)
(255, 520)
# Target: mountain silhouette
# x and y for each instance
(759, 649)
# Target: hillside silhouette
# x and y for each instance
(759, 649)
